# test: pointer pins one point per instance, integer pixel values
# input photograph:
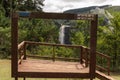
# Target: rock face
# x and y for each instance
(100, 10)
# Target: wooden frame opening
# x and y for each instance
(93, 18)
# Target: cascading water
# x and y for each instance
(64, 34)
(61, 34)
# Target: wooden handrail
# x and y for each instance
(58, 58)
(21, 45)
(99, 54)
(21, 51)
(52, 44)
(103, 55)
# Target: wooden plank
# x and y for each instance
(50, 69)
(53, 75)
(93, 40)
(37, 65)
(14, 46)
(102, 76)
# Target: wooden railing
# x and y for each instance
(108, 59)
(53, 52)
(84, 54)
(85, 57)
(21, 51)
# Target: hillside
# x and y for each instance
(113, 9)
(88, 9)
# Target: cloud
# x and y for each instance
(62, 5)
(56, 6)
(72, 0)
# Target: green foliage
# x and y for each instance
(80, 34)
(4, 42)
(38, 30)
(109, 40)
(77, 38)
(4, 34)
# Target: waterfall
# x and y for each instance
(64, 34)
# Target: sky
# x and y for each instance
(62, 5)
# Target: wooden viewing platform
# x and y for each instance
(55, 66)
(52, 69)
(37, 65)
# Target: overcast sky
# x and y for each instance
(62, 5)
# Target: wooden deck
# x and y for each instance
(37, 65)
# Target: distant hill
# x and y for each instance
(88, 9)
(114, 8)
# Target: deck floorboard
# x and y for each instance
(37, 65)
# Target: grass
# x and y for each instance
(5, 73)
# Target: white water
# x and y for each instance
(62, 33)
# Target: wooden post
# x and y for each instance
(24, 78)
(16, 78)
(24, 51)
(86, 57)
(53, 54)
(81, 54)
(93, 40)
(14, 45)
(108, 63)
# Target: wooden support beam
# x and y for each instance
(53, 15)
(67, 16)
(53, 75)
(14, 46)
(93, 40)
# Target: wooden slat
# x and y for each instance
(102, 76)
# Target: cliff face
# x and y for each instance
(102, 11)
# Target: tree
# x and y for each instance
(109, 40)
(30, 5)
(21, 5)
